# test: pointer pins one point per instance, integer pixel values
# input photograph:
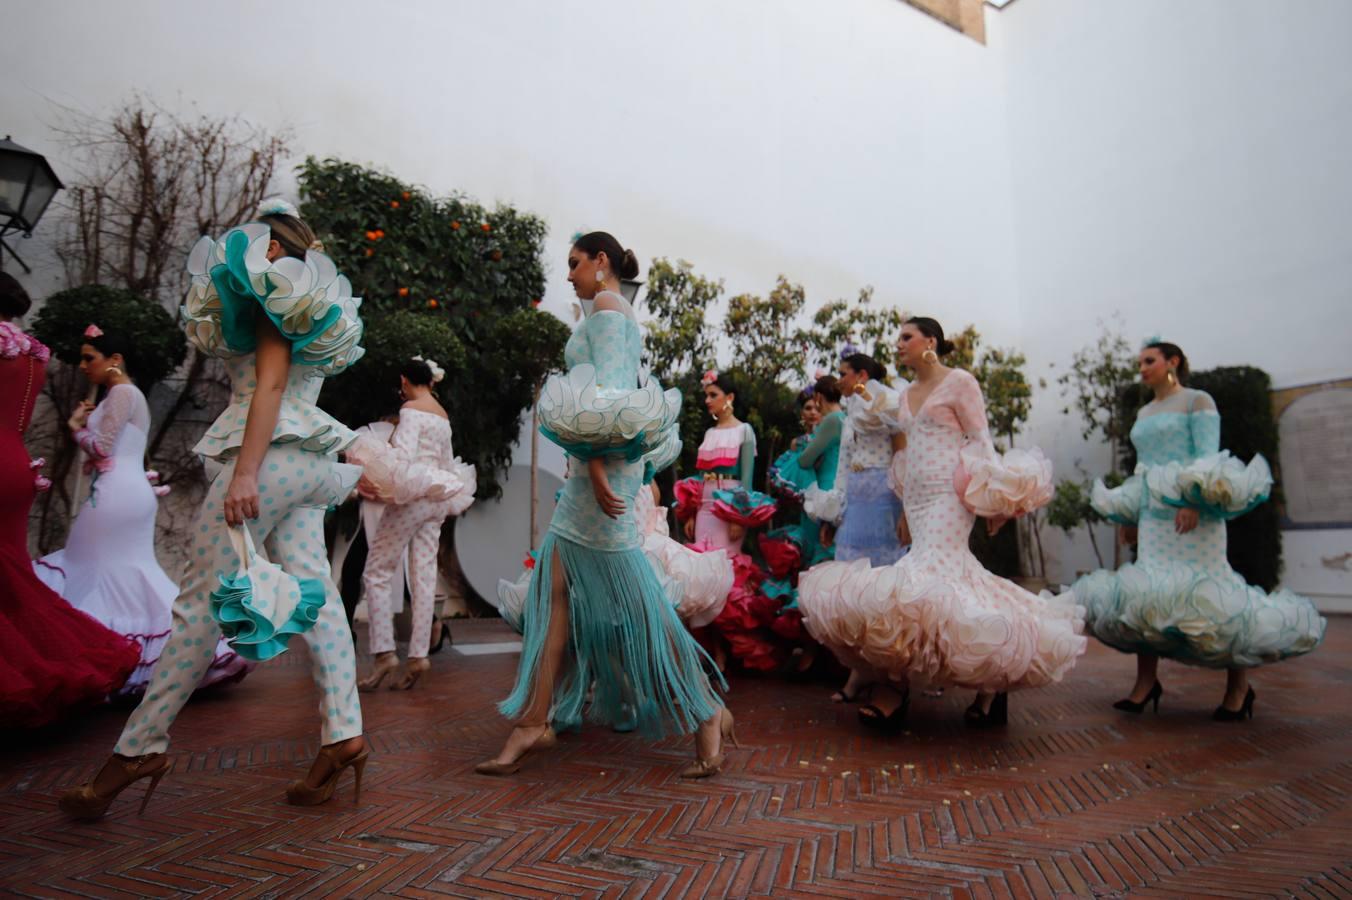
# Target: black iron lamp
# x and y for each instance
(27, 186)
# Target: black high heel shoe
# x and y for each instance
(998, 714)
(1245, 711)
(1129, 705)
(870, 716)
(442, 637)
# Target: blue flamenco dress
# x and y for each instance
(1181, 599)
(625, 643)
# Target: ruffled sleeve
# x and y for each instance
(398, 476)
(991, 484)
(603, 410)
(1214, 483)
(307, 299)
(1120, 505)
(880, 413)
(828, 505)
(689, 494)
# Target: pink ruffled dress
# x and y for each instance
(937, 616)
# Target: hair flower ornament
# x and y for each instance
(277, 206)
(93, 331)
(708, 378)
(848, 350)
(438, 372)
(1152, 339)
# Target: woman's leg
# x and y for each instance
(534, 718)
(1236, 688)
(297, 545)
(1147, 668)
(384, 563)
(422, 573)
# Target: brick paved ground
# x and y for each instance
(1072, 799)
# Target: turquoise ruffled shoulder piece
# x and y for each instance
(788, 477)
(307, 299)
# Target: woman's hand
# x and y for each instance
(241, 499)
(366, 489)
(1126, 535)
(609, 502)
(736, 532)
(827, 534)
(78, 418)
(903, 531)
(1186, 520)
(993, 526)
(690, 529)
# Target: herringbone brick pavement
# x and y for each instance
(1072, 799)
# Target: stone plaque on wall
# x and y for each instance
(1315, 428)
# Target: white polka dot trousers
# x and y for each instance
(291, 532)
(415, 525)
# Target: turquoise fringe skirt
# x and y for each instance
(626, 646)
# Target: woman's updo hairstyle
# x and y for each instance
(110, 342)
(288, 229)
(828, 388)
(1172, 351)
(417, 372)
(14, 300)
(930, 328)
(623, 262)
(862, 362)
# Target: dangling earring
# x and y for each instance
(117, 369)
(600, 280)
(1173, 379)
(930, 357)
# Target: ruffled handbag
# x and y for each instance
(260, 607)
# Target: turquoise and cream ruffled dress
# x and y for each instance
(1181, 599)
(625, 637)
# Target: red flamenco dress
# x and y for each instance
(53, 658)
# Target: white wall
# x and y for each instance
(845, 143)
(1185, 165)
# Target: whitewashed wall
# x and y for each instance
(845, 143)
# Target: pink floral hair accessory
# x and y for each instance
(709, 378)
(93, 331)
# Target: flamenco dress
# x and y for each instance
(717, 499)
(54, 659)
(790, 550)
(1181, 599)
(625, 644)
(108, 567)
(937, 617)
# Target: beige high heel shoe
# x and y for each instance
(87, 804)
(413, 670)
(707, 768)
(301, 794)
(547, 740)
(384, 664)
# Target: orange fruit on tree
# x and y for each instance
(403, 292)
(455, 226)
(486, 227)
(371, 236)
(370, 251)
(379, 234)
(406, 195)
(394, 204)
(432, 303)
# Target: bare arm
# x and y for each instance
(272, 365)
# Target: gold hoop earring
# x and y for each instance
(117, 369)
(930, 357)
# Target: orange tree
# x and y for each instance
(441, 277)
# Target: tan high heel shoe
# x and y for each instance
(87, 804)
(413, 670)
(301, 794)
(384, 664)
(707, 768)
(547, 740)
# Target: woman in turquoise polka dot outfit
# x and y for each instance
(278, 473)
(597, 620)
(1181, 599)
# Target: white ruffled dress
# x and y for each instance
(937, 616)
(1181, 599)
